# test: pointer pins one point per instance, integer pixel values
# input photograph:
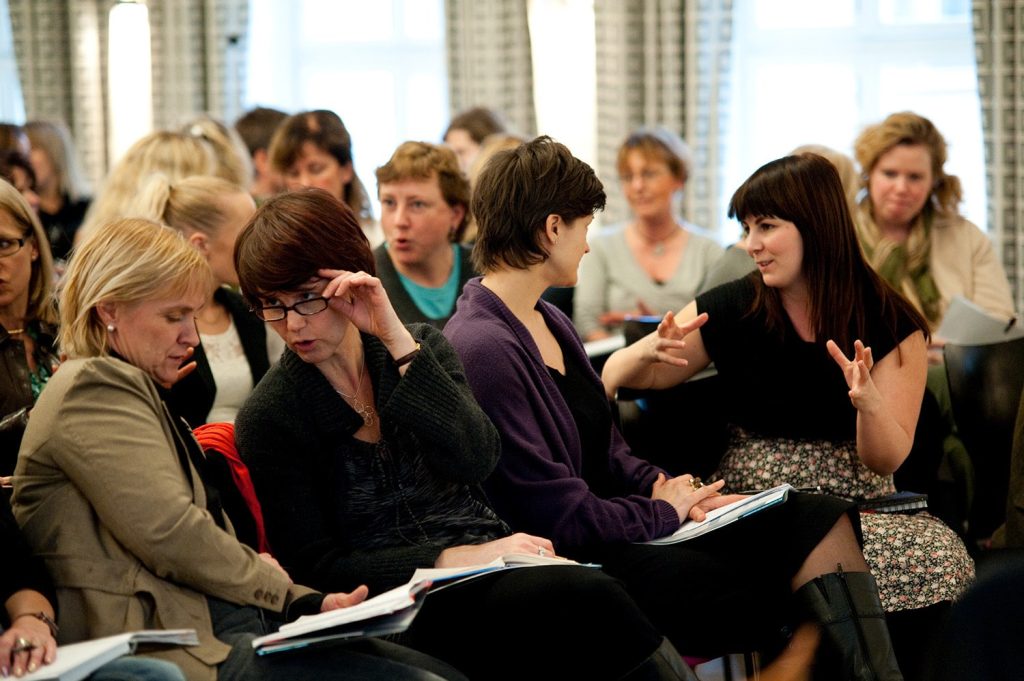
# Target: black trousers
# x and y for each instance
(536, 623)
(728, 591)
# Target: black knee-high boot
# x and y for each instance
(846, 606)
(664, 664)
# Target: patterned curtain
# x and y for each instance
(489, 60)
(198, 56)
(665, 62)
(999, 41)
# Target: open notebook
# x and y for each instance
(78, 660)
(726, 515)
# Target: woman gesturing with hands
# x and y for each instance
(824, 365)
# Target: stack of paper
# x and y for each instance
(389, 613)
(726, 515)
(78, 660)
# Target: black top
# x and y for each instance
(192, 397)
(778, 385)
(593, 420)
(60, 227)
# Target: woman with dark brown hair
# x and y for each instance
(314, 149)
(367, 450)
(825, 367)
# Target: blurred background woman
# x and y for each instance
(424, 203)
(64, 193)
(909, 226)
(173, 154)
(110, 487)
(314, 149)
(235, 349)
(655, 262)
(467, 131)
(27, 319)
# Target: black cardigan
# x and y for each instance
(192, 397)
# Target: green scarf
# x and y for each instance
(904, 265)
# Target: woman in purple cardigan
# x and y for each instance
(566, 473)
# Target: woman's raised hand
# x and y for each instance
(857, 371)
(362, 298)
(478, 554)
(669, 336)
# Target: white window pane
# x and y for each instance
(423, 20)
(352, 21)
(426, 104)
(796, 104)
(923, 11)
(771, 14)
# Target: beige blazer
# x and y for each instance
(100, 492)
(963, 263)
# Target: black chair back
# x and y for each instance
(985, 383)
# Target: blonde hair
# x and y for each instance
(193, 204)
(124, 261)
(174, 154)
(40, 286)
(844, 166)
(234, 163)
(53, 139)
(908, 128)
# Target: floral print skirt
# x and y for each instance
(915, 558)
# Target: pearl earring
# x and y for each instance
(110, 328)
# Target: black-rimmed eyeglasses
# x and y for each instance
(11, 246)
(306, 308)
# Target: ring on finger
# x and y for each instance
(696, 483)
(541, 552)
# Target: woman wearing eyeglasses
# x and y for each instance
(655, 262)
(367, 451)
(27, 319)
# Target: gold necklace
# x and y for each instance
(364, 410)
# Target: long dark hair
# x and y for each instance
(806, 190)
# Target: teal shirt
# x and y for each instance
(436, 303)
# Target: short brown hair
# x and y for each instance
(660, 144)
(478, 122)
(425, 161)
(908, 128)
(515, 194)
(326, 131)
(294, 235)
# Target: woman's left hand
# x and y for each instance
(37, 634)
(344, 600)
(362, 298)
(863, 393)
